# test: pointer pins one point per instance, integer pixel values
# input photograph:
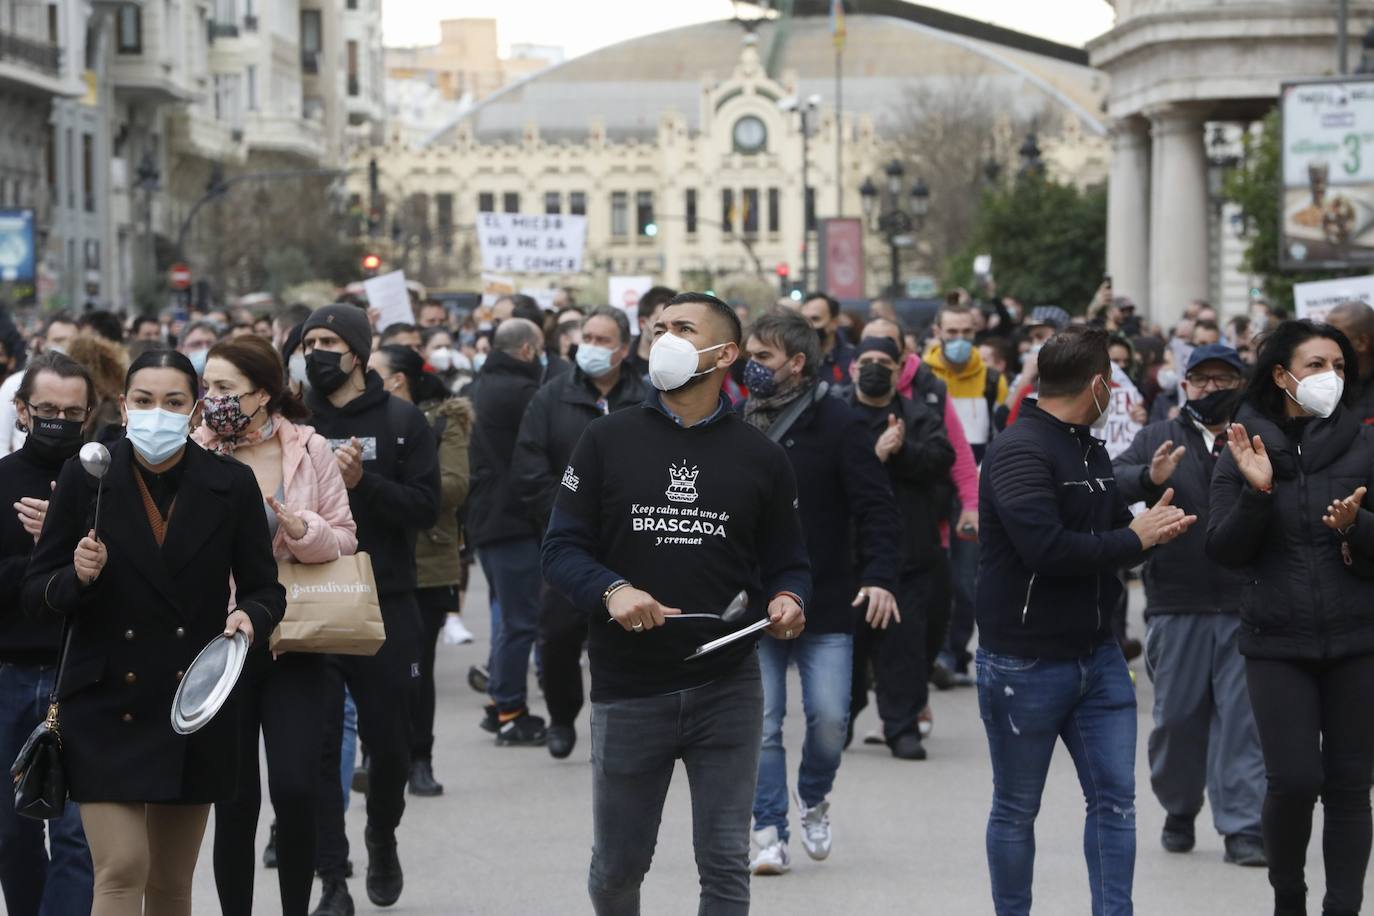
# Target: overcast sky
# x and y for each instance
(579, 27)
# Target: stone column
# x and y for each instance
(1179, 249)
(1128, 212)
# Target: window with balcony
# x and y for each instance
(312, 41)
(53, 24)
(644, 214)
(250, 17)
(250, 77)
(577, 203)
(88, 173)
(553, 203)
(129, 30)
(620, 214)
(226, 21)
(443, 212)
(750, 217)
(727, 210)
(774, 210)
(352, 69)
(510, 202)
(689, 210)
(486, 202)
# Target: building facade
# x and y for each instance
(693, 172)
(1187, 77)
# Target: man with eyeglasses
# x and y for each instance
(1204, 736)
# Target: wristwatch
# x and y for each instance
(611, 589)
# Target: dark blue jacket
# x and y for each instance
(1179, 576)
(834, 366)
(1052, 527)
(848, 510)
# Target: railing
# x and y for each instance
(37, 54)
(310, 62)
(250, 23)
(222, 30)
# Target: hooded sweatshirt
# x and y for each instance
(398, 495)
(968, 392)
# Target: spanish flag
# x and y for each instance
(837, 23)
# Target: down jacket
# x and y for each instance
(1307, 593)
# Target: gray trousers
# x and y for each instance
(1204, 734)
(716, 731)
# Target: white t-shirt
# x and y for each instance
(11, 438)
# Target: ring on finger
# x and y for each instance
(637, 627)
(787, 634)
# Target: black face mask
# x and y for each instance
(55, 440)
(823, 334)
(323, 371)
(875, 380)
(1213, 409)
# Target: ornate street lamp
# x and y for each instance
(885, 213)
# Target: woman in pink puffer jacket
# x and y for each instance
(248, 414)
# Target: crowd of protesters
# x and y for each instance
(908, 498)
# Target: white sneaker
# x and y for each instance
(455, 634)
(771, 856)
(815, 823)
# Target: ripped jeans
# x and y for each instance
(1027, 706)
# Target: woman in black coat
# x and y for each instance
(1287, 507)
(143, 596)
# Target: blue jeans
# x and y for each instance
(35, 884)
(348, 758)
(824, 661)
(714, 731)
(963, 567)
(1029, 704)
(513, 569)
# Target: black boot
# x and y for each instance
(334, 899)
(1178, 834)
(561, 740)
(384, 878)
(269, 855)
(422, 779)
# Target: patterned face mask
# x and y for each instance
(225, 417)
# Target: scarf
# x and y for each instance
(761, 412)
(227, 447)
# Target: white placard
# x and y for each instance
(522, 243)
(1314, 300)
(625, 293)
(389, 296)
(542, 296)
(494, 286)
(1121, 428)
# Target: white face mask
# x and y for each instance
(296, 367)
(673, 362)
(441, 359)
(1100, 423)
(1319, 394)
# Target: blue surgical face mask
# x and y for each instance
(595, 361)
(958, 351)
(477, 361)
(543, 360)
(158, 434)
(198, 358)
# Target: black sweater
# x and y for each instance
(398, 495)
(690, 515)
(24, 638)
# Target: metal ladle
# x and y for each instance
(95, 459)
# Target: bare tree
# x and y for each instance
(948, 132)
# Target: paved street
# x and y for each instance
(512, 833)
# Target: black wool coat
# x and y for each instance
(145, 618)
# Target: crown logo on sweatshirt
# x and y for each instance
(682, 483)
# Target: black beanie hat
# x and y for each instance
(349, 322)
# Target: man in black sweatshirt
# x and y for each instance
(389, 463)
(1054, 529)
(665, 511)
(54, 400)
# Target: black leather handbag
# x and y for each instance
(40, 778)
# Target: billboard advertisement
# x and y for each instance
(17, 246)
(1326, 205)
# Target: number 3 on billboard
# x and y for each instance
(1352, 146)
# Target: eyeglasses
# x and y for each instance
(1213, 382)
(52, 412)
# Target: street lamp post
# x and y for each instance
(805, 108)
(885, 213)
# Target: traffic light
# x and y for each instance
(371, 264)
(782, 271)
